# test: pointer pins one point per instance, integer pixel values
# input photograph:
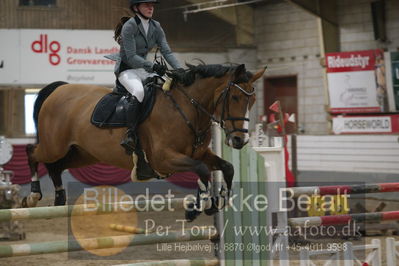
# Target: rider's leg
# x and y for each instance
(132, 79)
(133, 84)
(131, 116)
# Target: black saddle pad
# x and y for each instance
(110, 111)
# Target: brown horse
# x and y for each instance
(175, 136)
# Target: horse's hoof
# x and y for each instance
(24, 203)
(211, 211)
(31, 200)
(215, 239)
(35, 188)
(60, 198)
(192, 215)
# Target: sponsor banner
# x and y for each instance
(395, 77)
(9, 59)
(350, 61)
(356, 82)
(75, 56)
(386, 124)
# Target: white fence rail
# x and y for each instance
(391, 251)
(347, 257)
(347, 153)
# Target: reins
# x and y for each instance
(200, 135)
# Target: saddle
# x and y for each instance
(110, 111)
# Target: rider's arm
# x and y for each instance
(165, 49)
(129, 46)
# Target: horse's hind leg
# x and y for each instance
(75, 158)
(36, 193)
(55, 171)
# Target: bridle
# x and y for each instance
(223, 98)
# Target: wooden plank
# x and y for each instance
(253, 187)
(340, 151)
(228, 216)
(349, 167)
(262, 178)
(245, 212)
(350, 158)
(350, 145)
(237, 219)
(348, 138)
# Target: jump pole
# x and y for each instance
(101, 242)
(128, 229)
(193, 262)
(81, 210)
(344, 219)
(345, 189)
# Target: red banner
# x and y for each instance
(351, 61)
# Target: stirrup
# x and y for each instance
(128, 143)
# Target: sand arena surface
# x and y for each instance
(45, 230)
(58, 229)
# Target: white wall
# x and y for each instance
(284, 31)
(287, 41)
(356, 26)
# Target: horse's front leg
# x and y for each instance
(178, 162)
(214, 163)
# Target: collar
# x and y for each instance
(142, 19)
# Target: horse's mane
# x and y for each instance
(189, 76)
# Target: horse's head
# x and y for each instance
(233, 103)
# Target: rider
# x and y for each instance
(137, 36)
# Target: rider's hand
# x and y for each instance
(159, 69)
(179, 73)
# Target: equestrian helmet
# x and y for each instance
(136, 2)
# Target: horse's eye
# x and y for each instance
(235, 98)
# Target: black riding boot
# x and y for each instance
(129, 142)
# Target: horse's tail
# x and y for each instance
(41, 97)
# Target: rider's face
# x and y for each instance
(147, 9)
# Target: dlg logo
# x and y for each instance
(52, 48)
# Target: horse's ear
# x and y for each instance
(258, 74)
(240, 72)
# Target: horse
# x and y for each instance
(175, 136)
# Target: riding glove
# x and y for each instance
(159, 69)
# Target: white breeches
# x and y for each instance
(132, 80)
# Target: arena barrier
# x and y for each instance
(273, 173)
(102, 242)
(392, 254)
(346, 257)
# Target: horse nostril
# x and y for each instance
(237, 141)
